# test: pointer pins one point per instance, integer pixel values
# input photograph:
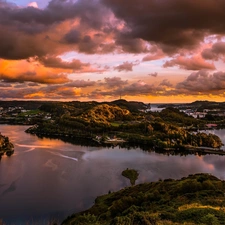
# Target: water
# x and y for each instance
(48, 178)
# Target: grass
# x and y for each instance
(115, 124)
(30, 112)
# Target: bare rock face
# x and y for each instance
(6, 147)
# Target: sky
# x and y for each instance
(154, 51)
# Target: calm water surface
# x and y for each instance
(48, 178)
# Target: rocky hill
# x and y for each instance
(6, 147)
(197, 199)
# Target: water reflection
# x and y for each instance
(49, 178)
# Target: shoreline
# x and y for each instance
(93, 142)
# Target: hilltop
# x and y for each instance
(104, 113)
(196, 199)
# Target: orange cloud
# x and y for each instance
(20, 71)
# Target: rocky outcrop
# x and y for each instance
(6, 147)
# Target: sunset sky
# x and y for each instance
(153, 51)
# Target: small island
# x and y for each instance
(6, 147)
(131, 174)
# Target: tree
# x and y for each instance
(131, 174)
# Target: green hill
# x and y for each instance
(197, 199)
(104, 114)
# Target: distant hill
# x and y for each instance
(132, 106)
(207, 105)
(29, 105)
(197, 199)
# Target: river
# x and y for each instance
(49, 179)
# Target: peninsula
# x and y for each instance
(125, 123)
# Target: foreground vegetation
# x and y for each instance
(197, 199)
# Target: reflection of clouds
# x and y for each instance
(217, 162)
(34, 146)
(63, 156)
(30, 150)
(150, 165)
(51, 165)
(119, 154)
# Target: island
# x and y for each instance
(6, 147)
(196, 199)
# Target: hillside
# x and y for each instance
(104, 114)
(197, 199)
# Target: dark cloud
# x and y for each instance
(32, 84)
(128, 89)
(56, 62)
(166, 83)
(5, 84)
(215, 52)
(16, 93)
(16, 45)
(173, 23)
(194, 63)
(23, 85)
(131, 45)
(72, 37)
(56, 12)
(114, 82)
(28, 32)
(80, 83)
(108, 25)
(137, 88)
(126, 66)
(203, 82)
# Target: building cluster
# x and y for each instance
(19, 115)
(205, 113)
